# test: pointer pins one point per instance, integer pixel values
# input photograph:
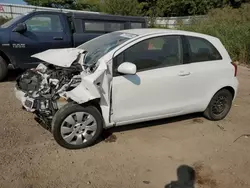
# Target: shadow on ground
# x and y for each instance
(109, 134)
(185, 178)
(13, 74)
(154, 123)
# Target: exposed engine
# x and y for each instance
(45, 87)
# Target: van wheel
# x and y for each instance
(76, 127)
(3, 69)
(219, 106)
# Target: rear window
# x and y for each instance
(201, 50)
(103, 26)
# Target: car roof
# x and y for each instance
(152, 31)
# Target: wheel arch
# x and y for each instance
(95, 103)
(209, 114)
(5, 57)
(229, 88)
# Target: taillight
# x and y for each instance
(235, 68)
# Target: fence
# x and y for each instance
(172, 22)
(12, 11)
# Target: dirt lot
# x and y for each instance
(136, 156)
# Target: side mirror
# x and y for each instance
(127, 68)
(20, 28)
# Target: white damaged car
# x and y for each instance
(128, 77)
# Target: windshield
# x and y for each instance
(99, 46)
(10, 22)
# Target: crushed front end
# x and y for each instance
(58, 81)
(41, 90)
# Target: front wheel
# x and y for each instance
(219, 106)
(76, 127)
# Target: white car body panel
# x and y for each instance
(207, 78)
(150, 94)
(95, 86)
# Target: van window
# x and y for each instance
(103, 26)
(114, 26)
(135, 25)
(44, 23)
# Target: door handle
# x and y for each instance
(57, 38)
(182, 73)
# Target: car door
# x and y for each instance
(44, 31)
(158, 88)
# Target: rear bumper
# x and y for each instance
(21, 96)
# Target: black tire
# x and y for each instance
(223, 99)
(3, 69)
(68, 110)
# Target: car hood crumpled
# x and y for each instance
(60, 57)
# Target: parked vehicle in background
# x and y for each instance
(127, 77)
(35, 32)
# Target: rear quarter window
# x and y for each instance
(201, 50)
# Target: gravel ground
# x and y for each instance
(136, 156)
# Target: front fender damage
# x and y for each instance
(94, 86)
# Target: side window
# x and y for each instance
(201, 50)
(94, 26)
(156, 43)
(44, 23)
(135, 25)
(153, 53)
(112, 26)
(103, 26)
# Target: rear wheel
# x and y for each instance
(3, 69)
(76, 127)
(219, 106)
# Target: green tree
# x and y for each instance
(122, 7)
(150, 8)
(185, 7)
(92, 5)
(52, 3)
